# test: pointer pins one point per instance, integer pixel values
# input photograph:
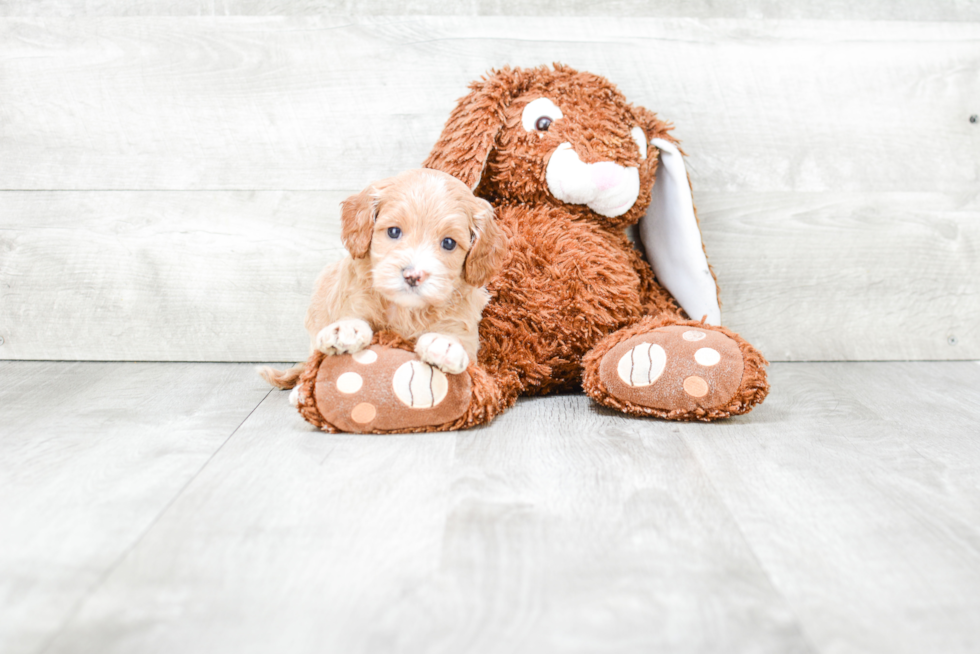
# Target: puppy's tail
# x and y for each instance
(284, 379)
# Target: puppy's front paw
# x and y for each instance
(344, 337)
(443, 352)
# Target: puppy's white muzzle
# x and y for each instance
(413, 277)
(605, 187)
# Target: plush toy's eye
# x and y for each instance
(539, 114)
(394, 233)
(448, 244)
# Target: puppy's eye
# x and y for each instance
(448, 244)
(394, 233)
(542, 124)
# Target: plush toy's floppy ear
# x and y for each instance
(486, 251)
(672, 239)
(357, 215)
(469, 135)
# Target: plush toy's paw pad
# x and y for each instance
(674, 368)
(387, 389)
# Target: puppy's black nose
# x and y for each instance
(414, 277)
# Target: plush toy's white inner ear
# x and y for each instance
(670, 234)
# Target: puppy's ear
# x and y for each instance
(357, 216)
(486, 253)
(471, 131)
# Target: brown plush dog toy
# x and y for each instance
(568, 164)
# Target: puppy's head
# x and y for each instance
(426, 235)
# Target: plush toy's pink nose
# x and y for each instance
(606, 175)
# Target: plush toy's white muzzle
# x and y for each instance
(605, 187)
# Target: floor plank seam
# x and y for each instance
(122, 556)
(755, 557)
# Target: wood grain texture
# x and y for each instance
(228, 275)
(327, 103)
(162, 276)
(937, 10)
(856, 485)
(839, 516)
(90, 455)
(558, 528)
(833, 163)
(852, 276)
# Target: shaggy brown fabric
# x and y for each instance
(572, 287)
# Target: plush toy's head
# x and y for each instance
(553, 136)
(568, 139)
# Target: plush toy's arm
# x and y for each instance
(670, 234)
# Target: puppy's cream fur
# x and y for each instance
(400, 277)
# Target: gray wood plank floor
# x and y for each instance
(185, 508)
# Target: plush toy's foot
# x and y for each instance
(380, 389)
(688, 371)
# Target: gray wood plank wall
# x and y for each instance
(169, 183)
(934, 10)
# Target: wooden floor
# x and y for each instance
(186, 508)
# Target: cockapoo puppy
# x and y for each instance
(422, 247)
